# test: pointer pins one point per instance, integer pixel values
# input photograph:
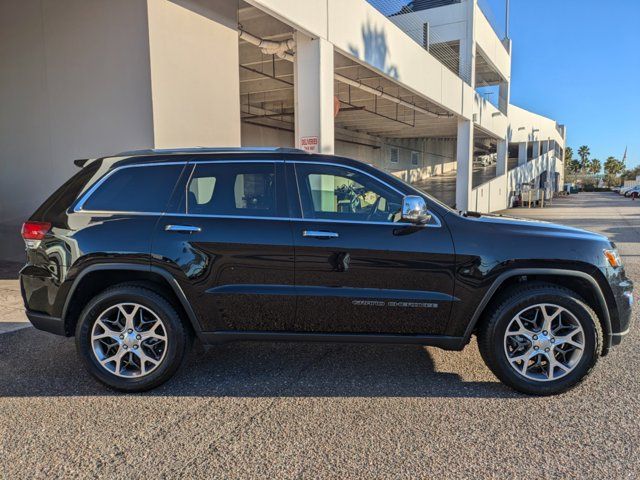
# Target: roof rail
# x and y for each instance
(168, 151)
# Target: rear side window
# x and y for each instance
(144, 189)
(58, 203)
(245, 189)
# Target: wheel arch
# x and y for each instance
(580, 282)
(98, 277)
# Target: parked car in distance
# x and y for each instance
(139, 253)
(629, 192)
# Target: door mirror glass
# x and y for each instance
(414, 210)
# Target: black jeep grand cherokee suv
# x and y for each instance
(138, 253)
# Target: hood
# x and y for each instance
(521, 226)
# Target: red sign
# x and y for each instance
(309, 144)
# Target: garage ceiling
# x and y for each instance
(266, 89)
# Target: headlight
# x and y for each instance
(613, 258)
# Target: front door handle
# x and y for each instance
(319, 234)
(182, 229)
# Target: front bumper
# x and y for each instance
(624, 302)
(45, 322)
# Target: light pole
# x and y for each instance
(506, 20)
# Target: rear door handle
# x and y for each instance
(319, 234)
(182, 229)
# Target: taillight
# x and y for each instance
(34, 232)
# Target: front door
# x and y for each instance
(358, 269)
(228, 242)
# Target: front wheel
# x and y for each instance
(130, 338)
(542, 339)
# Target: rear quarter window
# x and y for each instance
(58, 203)
(145, 189)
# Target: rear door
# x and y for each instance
(227, 240)
(358, 269)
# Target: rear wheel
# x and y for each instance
(130, 338)
(541, 340)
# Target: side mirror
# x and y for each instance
(414, 210)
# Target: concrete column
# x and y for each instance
(468, 47)
(503, 157)
(545, 146)
(505, 87)
(313, 91)
(464, 156)
(522, 153)
(536, 149)
(504, 95)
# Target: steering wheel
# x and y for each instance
(374, 208)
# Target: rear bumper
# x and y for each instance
(45, 322)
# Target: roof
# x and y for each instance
(172, 151)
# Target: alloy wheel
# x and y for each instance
(129, 340)
(544, 342)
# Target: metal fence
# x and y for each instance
(497, 22)
(407, 15)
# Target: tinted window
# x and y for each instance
(64, 197)
(233, 189)
(337, 193)
(136, 189)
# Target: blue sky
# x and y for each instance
(577, 61)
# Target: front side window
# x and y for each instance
(232, 189)
(337, 193)
(145, 189)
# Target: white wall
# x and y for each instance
(488, 117)
(491, 45)
(86, 78)
(438, 155)
(362, 33)
(259, 136)
(194, 72)
(447, 23)
(490, 196)
(74, 83)
(526, 126)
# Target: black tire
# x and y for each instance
(492, 330)
(177, 337)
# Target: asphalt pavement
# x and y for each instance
(277, 410)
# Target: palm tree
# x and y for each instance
(583, 153)
(595, 166)
(568, 154)
(613, 166)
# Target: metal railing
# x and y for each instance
(405, 14)
(488, 8)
